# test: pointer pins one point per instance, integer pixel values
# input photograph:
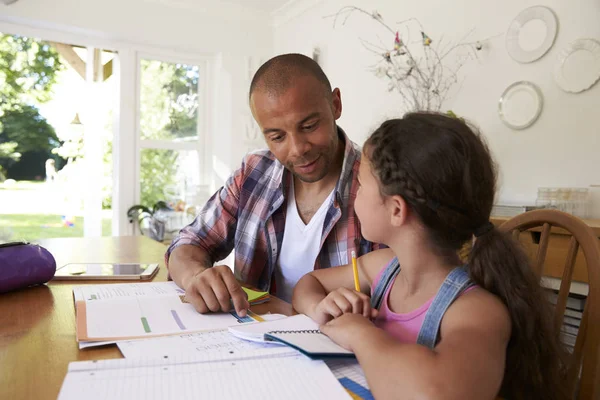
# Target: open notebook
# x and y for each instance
(139, 310)
(293, 377)
(298, 331)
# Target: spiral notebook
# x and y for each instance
(299, 332)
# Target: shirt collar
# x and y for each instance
(342, 188)
(351, 155)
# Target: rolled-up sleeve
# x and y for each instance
(214, 227)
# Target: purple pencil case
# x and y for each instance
(24, 264)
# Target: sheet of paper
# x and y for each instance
(313, 343)
(289, 378)
(137, 317)
(255, 331)
(135, 310)
(201, 345)
(120, 290)
(125, 290)
(86, 344)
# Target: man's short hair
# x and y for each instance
(279, 73)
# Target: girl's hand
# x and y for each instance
(343, 301)
(348, 329)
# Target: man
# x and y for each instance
(287, 210)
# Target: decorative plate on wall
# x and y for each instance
(531, 34)
(578, 66)
(520, 105)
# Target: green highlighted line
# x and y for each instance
(146, 326)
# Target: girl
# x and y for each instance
(440, 330)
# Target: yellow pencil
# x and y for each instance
(256, 316)
(355, 270)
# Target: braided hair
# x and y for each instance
(443, 170)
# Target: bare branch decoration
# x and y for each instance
(421, 71)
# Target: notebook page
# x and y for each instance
(200, 344)
(256, 331)
(149, 289)
(288, 378)
(311, 342)
(148, 316)
(125, 290)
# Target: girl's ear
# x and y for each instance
(399, 210)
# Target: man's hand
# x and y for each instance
(343, 301)
(214, 289)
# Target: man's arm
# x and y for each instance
(210, 237)
(186, 261)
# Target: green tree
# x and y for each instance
(28, 69)
(157, 172)
(169, 106)
(25, 131)
(8, 155)
(24, 125)
(169, 111)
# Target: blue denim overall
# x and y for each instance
(455, 283)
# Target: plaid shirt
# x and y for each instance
(248, 215)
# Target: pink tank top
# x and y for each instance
(404, 327)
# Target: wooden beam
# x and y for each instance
(98, 70)
(67, 52)
(108, 69)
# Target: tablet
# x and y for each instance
(109, 271)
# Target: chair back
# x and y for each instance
(585, 355)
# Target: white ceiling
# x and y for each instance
(260, 5)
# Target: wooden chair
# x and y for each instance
(586, 355)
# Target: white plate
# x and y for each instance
(520, 105)
(531, 34)
(578, 66)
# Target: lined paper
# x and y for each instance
(274, 378)
(201, 345)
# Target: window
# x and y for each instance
(171, 133)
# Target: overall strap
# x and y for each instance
(454, 284)
(386, 279)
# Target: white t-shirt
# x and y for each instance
(300, 247)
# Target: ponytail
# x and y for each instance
(498, 264)
(444, 171)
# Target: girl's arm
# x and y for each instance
(467, 363)
(315, 286)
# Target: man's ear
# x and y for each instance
(398, 210)
(336, 100)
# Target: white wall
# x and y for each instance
(560, 149)
(224, 32)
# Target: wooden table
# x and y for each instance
(37, 325)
